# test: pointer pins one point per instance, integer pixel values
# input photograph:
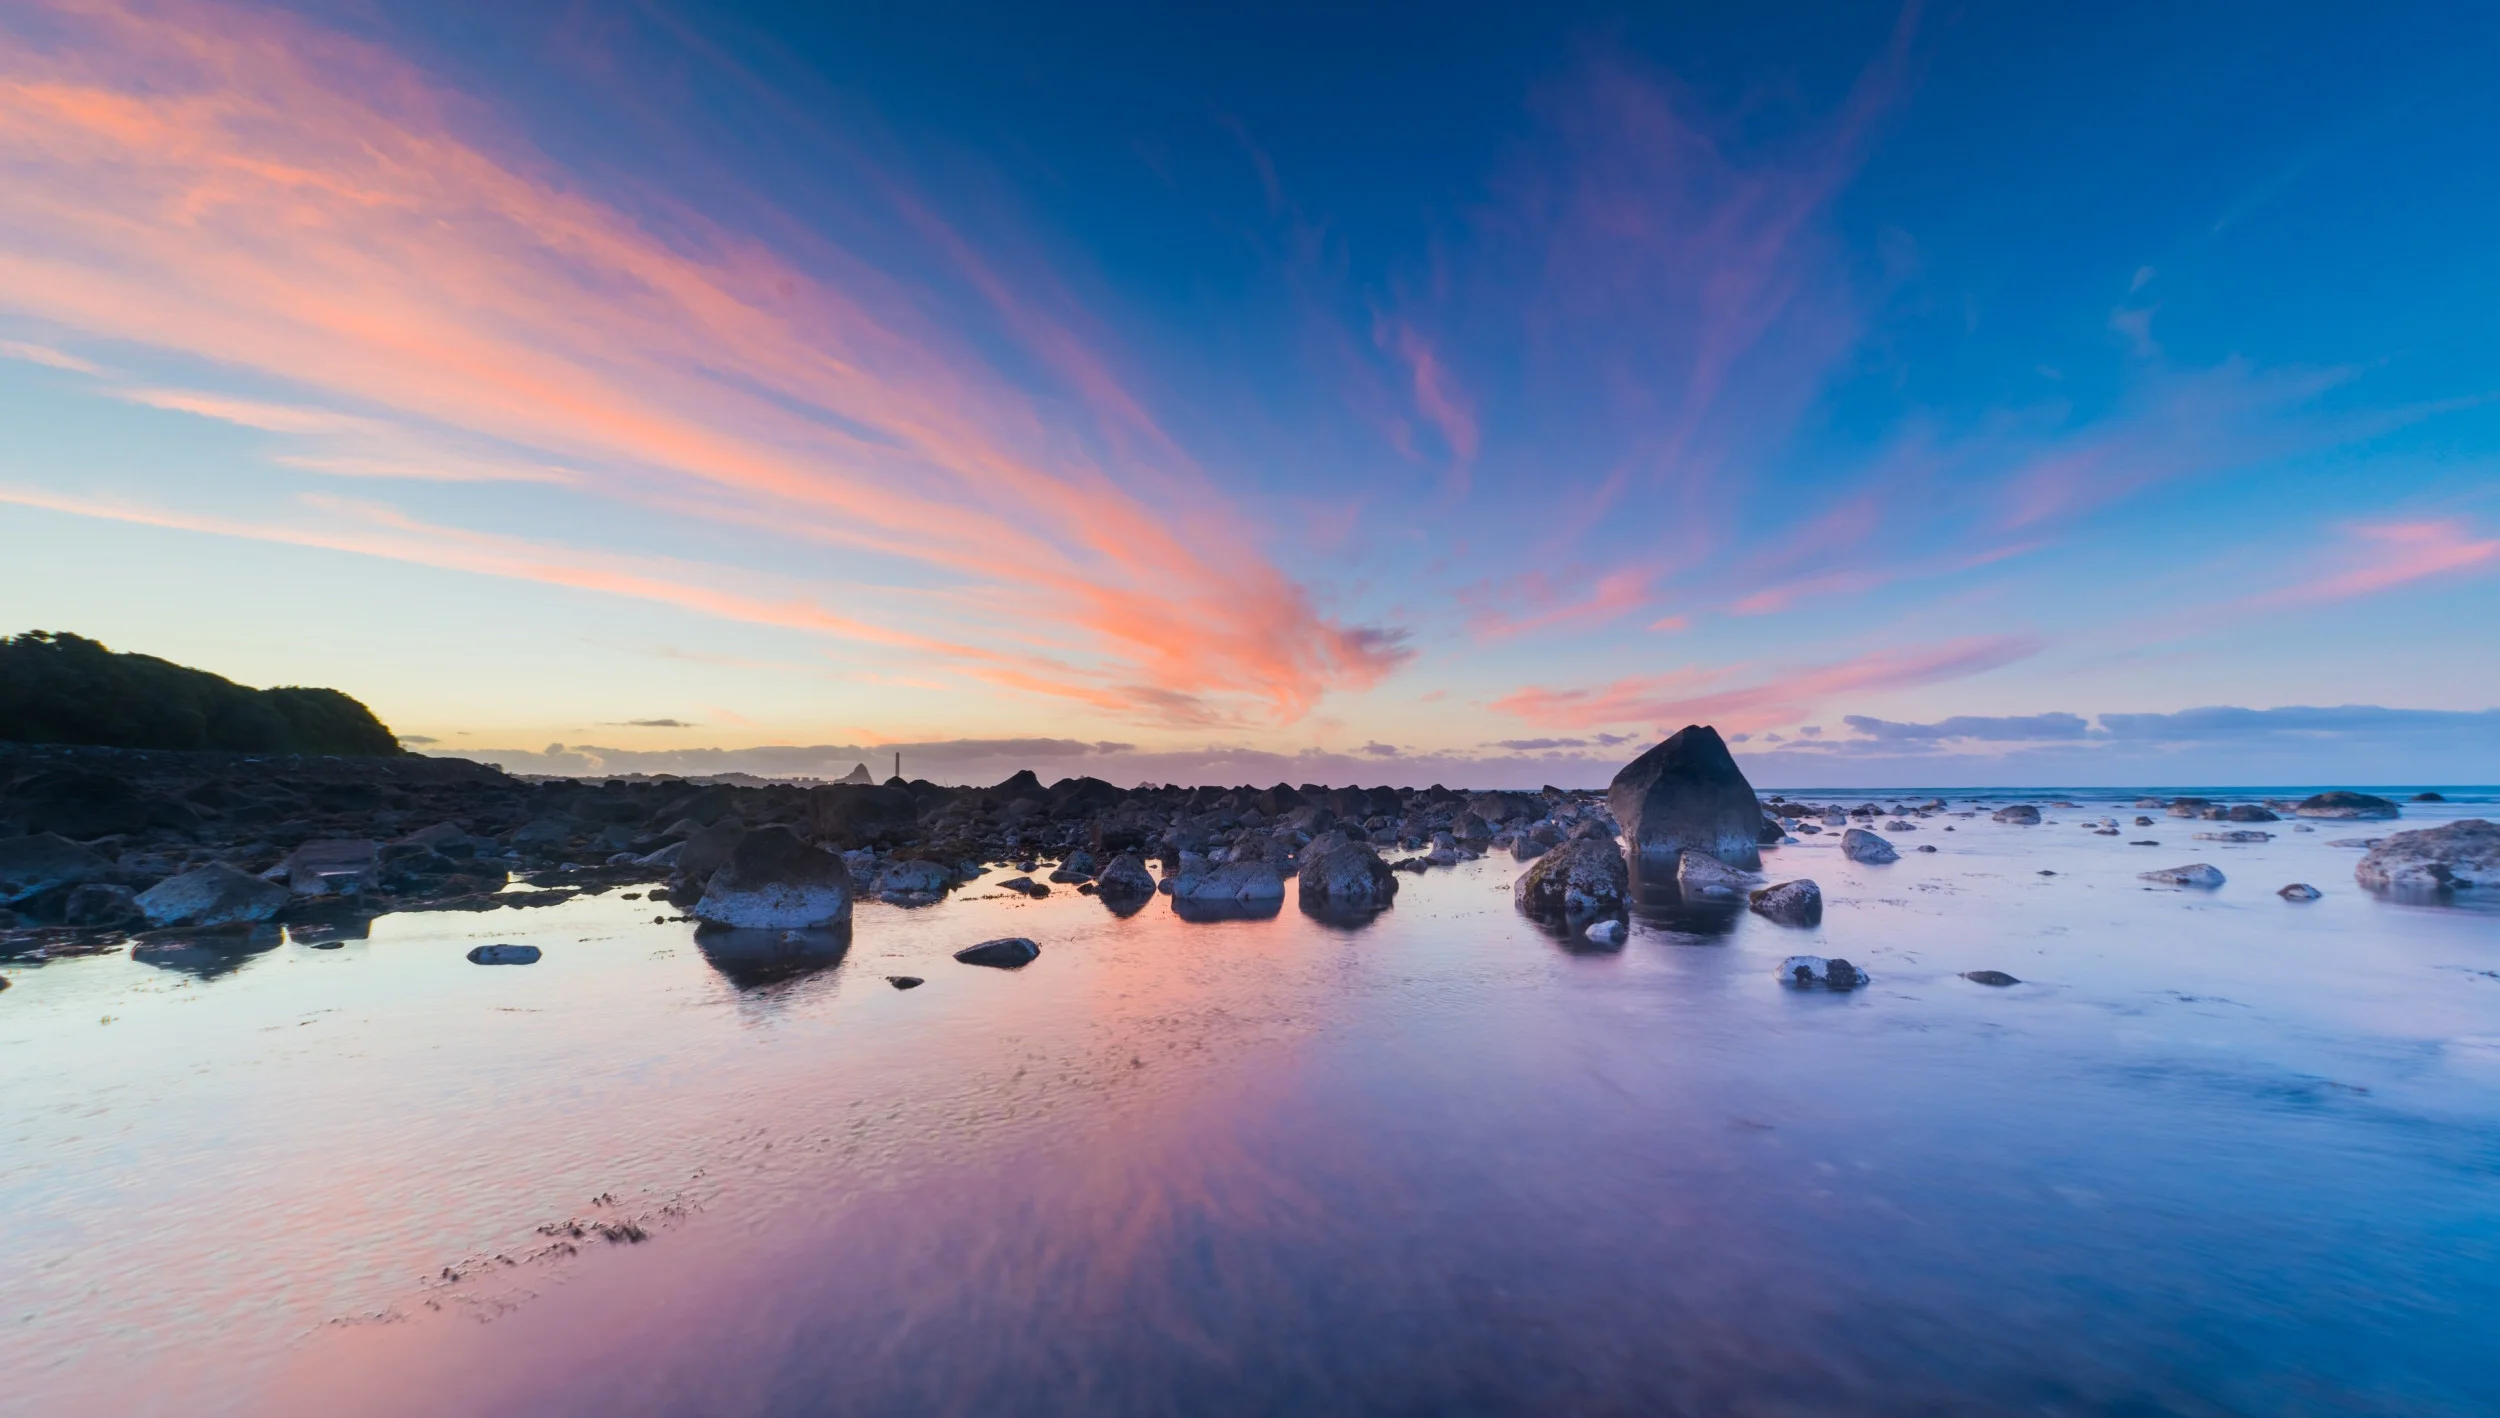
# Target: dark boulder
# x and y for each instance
(2344, 805)
(1006, 953)
(45, 861)
(1346, 874)
(1687, 794)
(1791, 903)
(210, 898)
(1860, 845)
(2020, 815)
(774, 881)
(1582, 878)
(852, 815)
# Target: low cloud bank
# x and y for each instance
(2217, 746)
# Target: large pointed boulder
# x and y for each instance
(1688, 795)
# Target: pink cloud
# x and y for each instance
(1437, 395)
(1612, 594)
(2395, 554)
(1707, 696)
(238, 187)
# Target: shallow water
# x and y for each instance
(2219, 1153)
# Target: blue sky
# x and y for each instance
(1371, 391)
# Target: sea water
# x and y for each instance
(2217, 1153)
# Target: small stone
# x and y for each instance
(2300, 891)
(1607, 933)
(1005, 953)
(1997, 978)
(904, 982)
(2194, 874)
(1806, 972)
(504, 955)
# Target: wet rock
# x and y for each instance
(1347, 874)
(2249, 812)
(2365, 843)
(2300, 891)
(335, 866)
(2189, 807)
(2426, 798)
(100, 905)
(1860, 845)
(1925, 847)
(2020, 814)
(45, 861)
(1607, 933)
(1791, 903)
(504, 955)
(1528, 849)
(1579, 879)
(1700, 876)
(212, 897)
(2143, 821)
(1687, 794)
(2237, 836)
(1006, 953)
(2340, 804)
(1246, 883)
(909, 881)
(2193, 874)
(2435, 860)
(1996, 978)
(1024, 885)
(1810, 972)
(774, 881)
(905, 982)
(1126, 879)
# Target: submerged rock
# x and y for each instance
(504, 955)
(1860, 845)
(2434, 860)
(905, 982)
(2193, 874)
(1579, 879)
(2340, 804)
(1791, 903)
(774, 881)
(2020, 814)
(1807, 972)
(1687, 794)
(1997, 978)
(2241, 835)
(1702, 877)
(2300, 891)
(1005, 953)
(211, 897)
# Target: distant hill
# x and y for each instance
(56, 687)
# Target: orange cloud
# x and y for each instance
(233, 185)
(1706, 696)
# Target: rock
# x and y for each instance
(851, 814)
(2189, 807)
(2020, 814)
(2341, 804)
(2239, 836)
(1791, 903)
(2300, 891)
(2364, 843)
(1608, 933)
(1578, 879)
(1811, 830)
(2194, 874)
(2426, 798)
(1007, 953)
(1808, 972)
(1700, 876)
(99, 905)
(1897, 825)
(336, 866)
(2442, 859)
(2250, 812)
(709, 849)
(907, 880)
(1528, 849)
(45, 861)
(504, 955)
(2143, 821)
(1126, 879)
(774, 881)
(1860, 845)
(1688, 794)
(1997, 978)
(1025, 885)
(1235, 882)
(1926, 847)
(905, 982)
(1347, 874)
(211, 897)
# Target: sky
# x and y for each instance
(1923, 396)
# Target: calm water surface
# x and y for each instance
(2218, 1154)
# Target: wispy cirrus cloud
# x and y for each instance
(236, 186)
(2392, 554)
(1741, 697)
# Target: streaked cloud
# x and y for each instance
(1731, 697)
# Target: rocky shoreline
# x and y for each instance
(99, 847)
